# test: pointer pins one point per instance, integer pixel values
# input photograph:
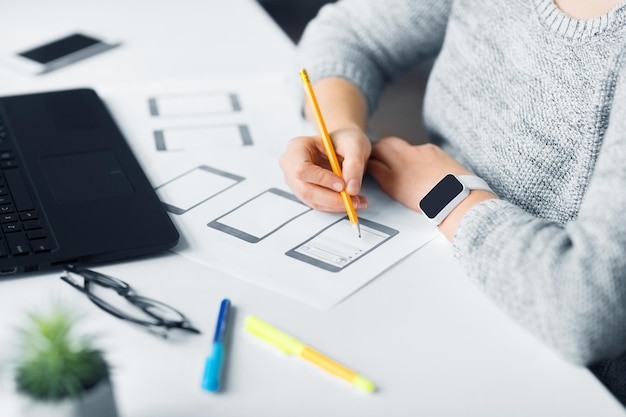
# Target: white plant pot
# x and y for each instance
(97, 402)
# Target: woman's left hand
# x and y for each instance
(408, 172)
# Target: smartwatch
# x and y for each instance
(448, 193)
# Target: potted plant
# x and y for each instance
(59, 373)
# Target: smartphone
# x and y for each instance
(58, 53)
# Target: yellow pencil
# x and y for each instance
(330, 150)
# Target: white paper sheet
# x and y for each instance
(228, 197)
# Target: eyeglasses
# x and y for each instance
(155, 316)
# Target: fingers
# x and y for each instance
(304, 162)
(378, 169)
(314, 174)
(354, 147)
(353, 170)
(323, 199)
(307, 173)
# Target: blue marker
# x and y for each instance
(213, 365)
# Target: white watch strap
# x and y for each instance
(474, 183)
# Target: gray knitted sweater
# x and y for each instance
(534, 102)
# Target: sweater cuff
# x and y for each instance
(470, 237)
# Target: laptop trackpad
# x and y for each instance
(85, 176)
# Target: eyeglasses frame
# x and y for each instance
(161, 326)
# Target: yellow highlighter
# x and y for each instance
(292, 346)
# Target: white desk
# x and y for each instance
(431, 342)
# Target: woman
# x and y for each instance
(528, 95)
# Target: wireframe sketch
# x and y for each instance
(195, 104)
(194, 187)
(260, 216)
(336, 246)
(203, 138)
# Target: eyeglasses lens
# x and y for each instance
(124, 306)
(160, 310)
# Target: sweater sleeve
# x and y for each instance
(565, 283)
(372, 42)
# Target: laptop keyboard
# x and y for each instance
(23, 230)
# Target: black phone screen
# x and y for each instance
(59, 48)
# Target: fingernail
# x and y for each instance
(353, 187)
(337, 186)
(361, 205)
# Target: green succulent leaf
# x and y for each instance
(55, 364)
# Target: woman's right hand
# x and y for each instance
(309, 175)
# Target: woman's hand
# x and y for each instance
(308, 173)
(408, 172)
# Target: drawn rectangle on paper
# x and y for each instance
(337, 246)
(202, 137)
(194, 187)
(260, 216)
(196, 104)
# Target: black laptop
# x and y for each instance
(71, 190)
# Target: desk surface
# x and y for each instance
(432, 343)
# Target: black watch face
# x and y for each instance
(445, 190)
